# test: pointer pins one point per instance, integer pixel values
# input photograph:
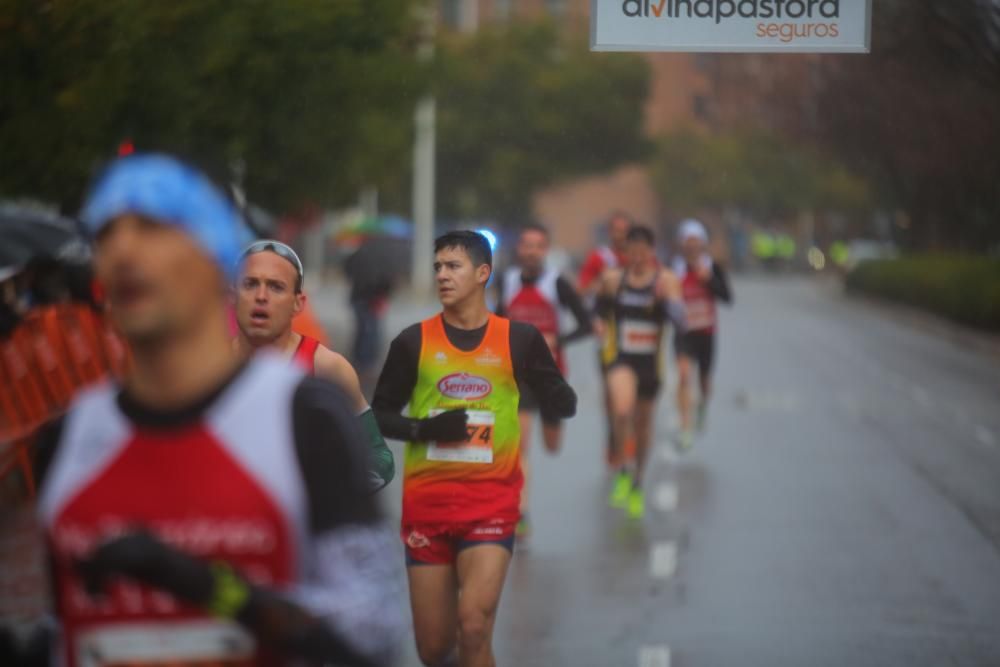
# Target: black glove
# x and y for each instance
(10, 653)
(448, 426)
(214, 586)
(31, 650)
(141, 556)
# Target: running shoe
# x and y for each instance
(636, 505)
(620, 491)
(686, 440)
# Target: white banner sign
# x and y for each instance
(792, 26)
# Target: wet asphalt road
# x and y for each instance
(842, 507)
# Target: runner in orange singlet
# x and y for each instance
(460, 373)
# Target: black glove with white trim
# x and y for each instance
(448, 426)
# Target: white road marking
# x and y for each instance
(654, 656)
(985, 436)
(663, 560)
(666, 497)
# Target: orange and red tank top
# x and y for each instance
(479, 478)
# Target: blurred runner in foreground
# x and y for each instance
(634, 305)
(703, 282)
(459, 371)
(532, 293)
(601, 259)
(268, 298)
(212, 511)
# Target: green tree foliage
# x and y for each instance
(313, 97)
(920, 117)
(523, 106)
(759, 173)
(962, 287)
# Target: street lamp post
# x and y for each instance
(423, 196)
(422, 256)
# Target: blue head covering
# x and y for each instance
(164, 189)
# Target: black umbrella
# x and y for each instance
(378, 265)
(27, 234)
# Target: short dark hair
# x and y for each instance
(641, 233)
(536, 227)
(473, 243)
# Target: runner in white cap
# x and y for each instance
(703, 282)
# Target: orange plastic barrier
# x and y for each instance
(53, 353)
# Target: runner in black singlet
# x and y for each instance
(634, 306)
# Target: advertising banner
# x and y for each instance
(738, 26)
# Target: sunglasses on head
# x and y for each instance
(278, 248)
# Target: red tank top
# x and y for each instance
(305, 354)
(537, 304)
(236, 504)
(699, 304)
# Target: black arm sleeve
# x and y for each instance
(604, 306)
(343, 611)
(332, 455)
(501, 308)
(718, 284)
(535, 368)
(46, 445)
(395, 385)
(569, 298)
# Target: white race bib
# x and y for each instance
(200, 643)
(640, 337)
(478, 448)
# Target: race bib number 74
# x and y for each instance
(478, 446)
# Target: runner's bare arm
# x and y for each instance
(338, 370)
(611, 280)
(335, 368)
